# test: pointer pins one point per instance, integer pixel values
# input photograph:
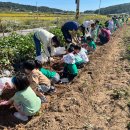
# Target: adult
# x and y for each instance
(87, 24)
(111, 25)
(104, 36)
(49, 41)
(69, 30)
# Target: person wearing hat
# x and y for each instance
(87, 25)
(49, 41)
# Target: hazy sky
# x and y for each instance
(70, 4)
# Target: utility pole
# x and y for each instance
(37, 9)
(100, 7)
(77, 8)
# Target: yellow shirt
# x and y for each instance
(37, 78)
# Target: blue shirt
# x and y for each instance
(71, 25)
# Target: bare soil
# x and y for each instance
(96, 100)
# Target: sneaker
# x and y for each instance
(20, 116)
(52, 90)
(64, 80)
(43, 99)
(42, 58)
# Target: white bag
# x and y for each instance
(42, 58)
(3, 81)
(59, 51)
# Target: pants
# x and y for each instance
(103, 39)
(80, 65)
(66, 34)
(56, 78)
(43, 88)
(37, 45)
(68, 75)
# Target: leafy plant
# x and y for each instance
(57, 32)
(16, 48)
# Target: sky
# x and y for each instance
(70, 4)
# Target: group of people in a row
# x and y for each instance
(36, 81)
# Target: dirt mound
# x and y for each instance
(96, 99)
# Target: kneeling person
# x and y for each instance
(52, 75)
(82, 54)
(38, 82)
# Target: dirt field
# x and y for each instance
(96, 100)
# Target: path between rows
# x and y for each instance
(89, 102)
(25, 31)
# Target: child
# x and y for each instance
(91, 44)
(38, 82)
(94, 32)
(70, 68)
(25, 100)
(104, 36)
(81, 52)
(52, 75)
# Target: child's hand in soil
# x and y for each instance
(7, 86)
(4, 102)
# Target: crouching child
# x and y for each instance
(70, 69)
(81, 56)
(38, 82)
(25, 100)
(52, 75)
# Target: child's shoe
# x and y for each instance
(20, 116)
(43, 99)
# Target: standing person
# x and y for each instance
(111, 25)
(104, 36)
(25, 100)
(48, 40)
(69, 30)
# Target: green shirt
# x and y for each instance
(78, 59)
(72, 68)
(92, 45)
(29, 101)
(49, 74)
(94, 34)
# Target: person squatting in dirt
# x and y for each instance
(36, 81)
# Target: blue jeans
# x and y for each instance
(37, 45)
(66, 34)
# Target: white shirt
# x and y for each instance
(83, 55)
(86, 24)
(110, 24)
(69, 58)
(45, 38)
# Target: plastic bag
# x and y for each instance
(42, 58)
(3, 82)
(59, 51)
